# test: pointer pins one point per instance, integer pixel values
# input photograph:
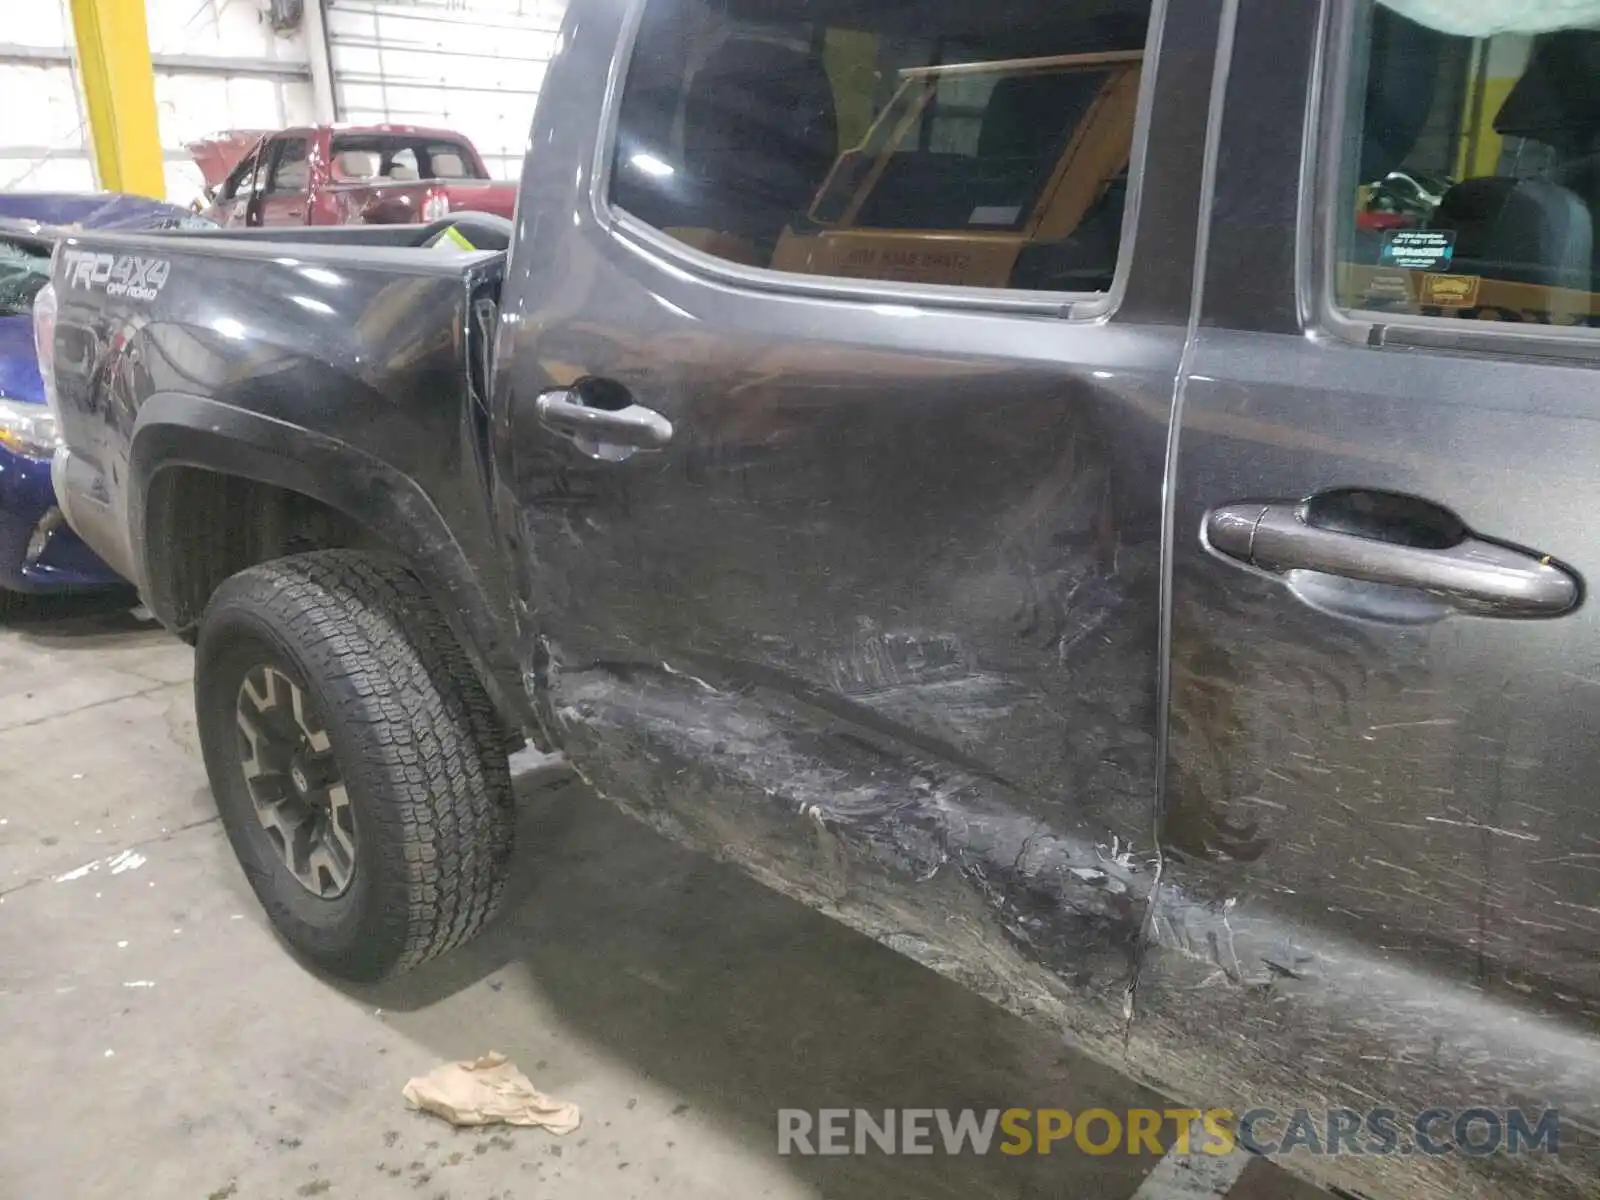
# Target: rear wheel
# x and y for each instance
(358, 767)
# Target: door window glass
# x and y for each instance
(1473, 162)
(291, 171)
(943, 142)
(241, 183)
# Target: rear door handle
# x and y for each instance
(602, 420)
(1472, 574)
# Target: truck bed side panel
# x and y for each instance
(339, 371)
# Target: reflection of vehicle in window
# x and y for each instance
(1512, 119)
(1401, 199)
(1037, 193)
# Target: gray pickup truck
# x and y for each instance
(1021, 477)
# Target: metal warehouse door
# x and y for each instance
(474, 66)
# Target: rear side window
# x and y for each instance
(945, 142)
(1472, 181)
(291, 169)
(449, 160)
(401, 159)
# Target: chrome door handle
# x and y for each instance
(1472, 574)
(613, 430)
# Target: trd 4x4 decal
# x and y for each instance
(118, 274)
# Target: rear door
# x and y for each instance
(285, 196)
(233, 206)
(857, 580)
(1385, 680)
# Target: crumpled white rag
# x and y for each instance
(488, 1091)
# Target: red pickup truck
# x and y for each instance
(346, 175)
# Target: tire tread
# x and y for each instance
(432, 748)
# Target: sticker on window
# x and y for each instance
(995, 214)
(1418, 249)
(1384, 288)
(1450, 291)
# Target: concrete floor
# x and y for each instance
(160, 1043)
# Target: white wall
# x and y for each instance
(46, 151)
(474, 66)
(198, 96)
(191, 105)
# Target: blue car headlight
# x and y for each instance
(27, 428)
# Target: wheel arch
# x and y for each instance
(241, 488)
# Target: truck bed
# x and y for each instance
(344, 364)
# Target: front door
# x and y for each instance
(1380, 797)
(233, 203)
(283, 200)
(858, 580)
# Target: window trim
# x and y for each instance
(641, 238)
(1321, 210)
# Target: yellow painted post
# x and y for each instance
(119, 90)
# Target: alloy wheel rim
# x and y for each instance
(294, 783)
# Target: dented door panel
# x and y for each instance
(880, 622)
(881, 625)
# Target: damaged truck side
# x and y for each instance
(974, 467)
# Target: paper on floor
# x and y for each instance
(488, 1091)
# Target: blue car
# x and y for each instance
(38, 552)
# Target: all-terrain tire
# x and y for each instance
(413, 735)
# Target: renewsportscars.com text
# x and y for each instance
(1476, 1132)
